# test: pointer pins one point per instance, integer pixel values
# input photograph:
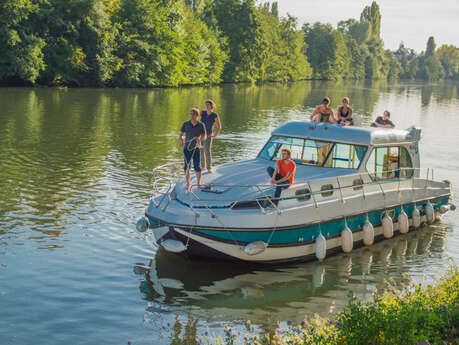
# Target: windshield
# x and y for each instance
(315, 152)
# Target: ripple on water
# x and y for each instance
(74, 178)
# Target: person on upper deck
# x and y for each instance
(209, 117)
(323, 112)
(284, 174)
(383, 121)
(344, 113)
(195, 133)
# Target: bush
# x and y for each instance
(395, 317)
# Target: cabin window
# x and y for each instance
(406, 165)
(315, 152)
(389, 162)
(308, 152)
(346, 156)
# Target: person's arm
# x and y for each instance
(378, 124)
(316, 110)
(273, 178)
(204, 133)
(283, 179)
(219, 127)
(332, 116)
(181, 139)
(338, 114)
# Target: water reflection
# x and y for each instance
(227, 291)
(74, 179)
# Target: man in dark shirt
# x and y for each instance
(383, 121)
(195, 133)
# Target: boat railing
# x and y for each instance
(164, 180)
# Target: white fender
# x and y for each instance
(437, 215)
(254, 248)
(347, 240)
(142, 224)
(388, 226)
(444, 209)
(430, 214)
(403, 223)
(368, 233)
(416, 215)
(321, 247)
(173, 246)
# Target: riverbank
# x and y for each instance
(412, 315)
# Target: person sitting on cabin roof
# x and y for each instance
(344, 113)
(323, 112)
(284, 173)
(383, 121)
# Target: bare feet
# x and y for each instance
(209, 171)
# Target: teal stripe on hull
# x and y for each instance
(309, 233)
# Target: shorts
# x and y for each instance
(194, 154)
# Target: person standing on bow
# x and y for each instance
(195, 133)
(209, 117)
(344, 114)
(284, 173)
(323, 112)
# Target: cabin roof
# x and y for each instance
(347, 134)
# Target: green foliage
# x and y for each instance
(238, 22)
(430, 67)
(449, 58)
(79, 42)
(401, 317)
(326, 51)
(284, 58)
(21, 49)
(359, 31)
(404, 317)
(372, 16)
(153, 43)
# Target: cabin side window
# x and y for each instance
(389, 162)
(346, 156)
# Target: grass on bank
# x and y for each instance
(398, 317)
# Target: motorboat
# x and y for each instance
(353, 186)
(224, 291)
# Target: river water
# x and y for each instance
(74, 179)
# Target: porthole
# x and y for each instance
(303, 194)
(357, 184)
(327, 190)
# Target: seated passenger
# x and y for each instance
(383, 121)
(344, 114)
(284, 173)
(323, 112)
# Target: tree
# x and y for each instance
(430, 67)
(372, 16)
(238, 22)
(284, 58)
(449, 58)
(326, 51)
(21, 49)
(359, 31)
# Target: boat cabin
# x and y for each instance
(381, 152)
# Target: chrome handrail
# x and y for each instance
(169, 183)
